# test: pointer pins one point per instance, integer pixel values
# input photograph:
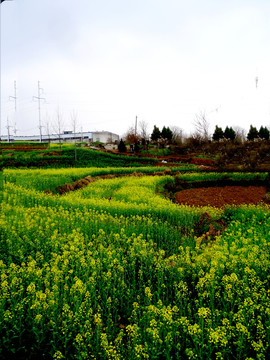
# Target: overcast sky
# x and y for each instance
(110, 60)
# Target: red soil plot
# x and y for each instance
(221, 196)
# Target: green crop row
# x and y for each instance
(215, 176)
(42, 179)
(67, 158)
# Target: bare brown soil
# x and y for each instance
(221, 196)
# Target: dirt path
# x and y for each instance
(220, 196)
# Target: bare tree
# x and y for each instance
(74, 121)
(177, 134)
(130, 136)
(143, 130)
(241, 134)
(201, 126)
(59, 125)
(47, 127)
(74, 124)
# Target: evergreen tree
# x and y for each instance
(218, 134)
(166, 134)
(229, 133)
(253, 133)
(122, 146)
(169, 134)
(264, 133)
(136, 147)
(155, 134)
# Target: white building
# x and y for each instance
(105, 137)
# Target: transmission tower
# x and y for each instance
(39, 98)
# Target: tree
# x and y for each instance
(58, 126)
(253, 133)
(122, 146)
(218, 134)
(264, 133)
(143, 130)
(201, 126)
(155, 136)
(136, 147)
(73, 119)
(240, 134)
(47, 127)
(166, 134)
(229, 133)
(177, 136)
(130, 136)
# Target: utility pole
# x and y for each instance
(8, 127)
(39, 98)
(136, 125)
(15, 106)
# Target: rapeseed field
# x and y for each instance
(117, 271)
